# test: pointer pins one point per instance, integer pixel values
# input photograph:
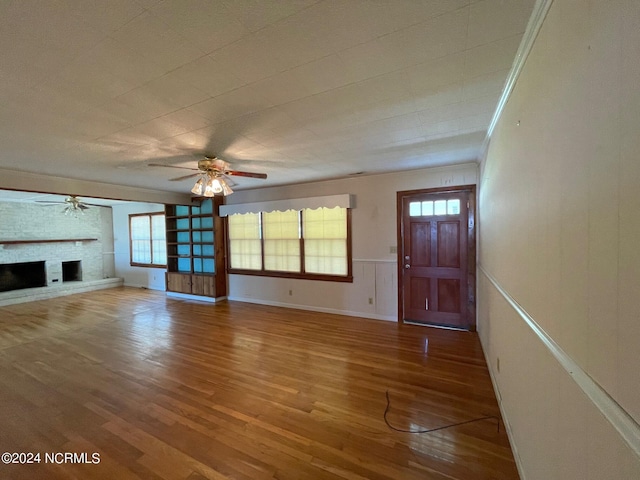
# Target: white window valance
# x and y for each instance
(329, 201)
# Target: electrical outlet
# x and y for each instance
(370, 301)
(498, 364)
(393, 249)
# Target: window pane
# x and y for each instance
(281, 232)
(244, 241)
(414, 209)
(140, 239)
(453, 207)
(140, 228)
(427, 208)
(325, 240)
(140, 251)
(440, 207)
(148, 239)
(159, 248)
(158, 244)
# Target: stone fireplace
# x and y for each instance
(45, 254)
(16, 276)
(72, 271)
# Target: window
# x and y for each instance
(147, 240)
(307, 243)
(438, 207)
(325, 246)
(281, 233)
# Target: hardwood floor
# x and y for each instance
(167, 389)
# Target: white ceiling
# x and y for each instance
(50, 198)
(299, 89)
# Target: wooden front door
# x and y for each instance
(437, 238)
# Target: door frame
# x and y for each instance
(471, 246)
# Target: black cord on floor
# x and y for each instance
(386, 411)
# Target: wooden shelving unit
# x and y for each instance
(196, 249)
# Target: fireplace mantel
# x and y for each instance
(60, 240)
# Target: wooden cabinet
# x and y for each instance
(178, 282)
(203, 285)
(196, 249)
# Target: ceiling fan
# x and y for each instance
(212, 172)
(73, 205)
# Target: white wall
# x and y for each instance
(560, 233)
(152, 278)
(374, 230)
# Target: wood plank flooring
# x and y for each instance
(168, 389)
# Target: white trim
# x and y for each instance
(374, 260)
(505, 420)
(145, 287)
(536, 20)
(335, 311)
(621, 421)
(328, 201)
(187, 296)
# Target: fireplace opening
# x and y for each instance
(71, 271)
(16, 276)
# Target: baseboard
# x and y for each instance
(186, 296)
(136, 285)
(53, 291)
(505, 419)
(311, 308)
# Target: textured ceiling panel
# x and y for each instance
(299, 89)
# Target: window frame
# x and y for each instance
(146, 265)
(348, 278)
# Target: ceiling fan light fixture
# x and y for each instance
(214, 185)
(226, 189)
(208, 190)
(198, 188)
(73, 210)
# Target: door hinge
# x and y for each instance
(426, 304)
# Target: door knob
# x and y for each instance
(407, 266)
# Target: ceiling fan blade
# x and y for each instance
(48, 202)
(83, 206)
(170, 166)
(237, 173)
(184, 177)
